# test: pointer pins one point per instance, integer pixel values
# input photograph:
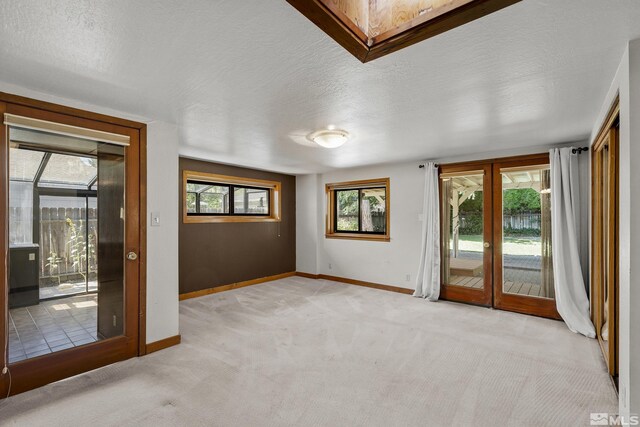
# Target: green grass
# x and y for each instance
(520, 245)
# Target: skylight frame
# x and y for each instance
(326, 15)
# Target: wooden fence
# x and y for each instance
(65, 247)
(522, 221)
(471, 222)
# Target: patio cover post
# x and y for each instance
(455, 202)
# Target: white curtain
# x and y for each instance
(428, 277)
(571, 297)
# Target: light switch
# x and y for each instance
(155, 219)
(32, 257)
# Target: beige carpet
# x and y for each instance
(304, 352)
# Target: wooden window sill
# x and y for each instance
(353, 236)
(202, 219)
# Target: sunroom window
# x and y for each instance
(53, 208)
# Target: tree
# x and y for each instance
(348, 202)
(473, 203)
(519, 200)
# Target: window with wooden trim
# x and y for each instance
(358, 210)
(221, 198)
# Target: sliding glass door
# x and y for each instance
(68, 237)
(496, 234)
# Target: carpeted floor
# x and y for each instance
(304, 352)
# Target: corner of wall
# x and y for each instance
(630, 230)
(306, 223)
(162, 240)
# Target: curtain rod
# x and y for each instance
(574, 151)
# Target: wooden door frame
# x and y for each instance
(95, 355)
(536, 306)
(482, 296)
(608, 133)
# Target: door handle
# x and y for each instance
(132, 256)
(487, 244)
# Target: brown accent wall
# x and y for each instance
(216, 254)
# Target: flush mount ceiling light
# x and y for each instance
(329, 138)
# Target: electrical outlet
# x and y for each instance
(330, 266)
(115, 320)
(408, 278)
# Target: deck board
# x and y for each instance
(454, 280)
(516, 288)
(464, 281)
(535, 290)
(506, 287)
(519, 288)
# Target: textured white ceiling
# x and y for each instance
(247, 80)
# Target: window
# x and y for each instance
(358, 210)
(221, 198)
(207, 199)
(250, 201)
(69, 171)
(35, 170)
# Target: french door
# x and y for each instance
(467, 233)
(70, 214)
(496, 234)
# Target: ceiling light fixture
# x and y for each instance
(329, 138)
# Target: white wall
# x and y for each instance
(378, 262)
(162, 241)
(627, 84)
(162, 196)
(631, 154)
(307, 224)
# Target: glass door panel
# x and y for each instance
(66, 279)
(523, 268)
(466, 253)
(526, 232)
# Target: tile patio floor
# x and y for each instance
(52, 326)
